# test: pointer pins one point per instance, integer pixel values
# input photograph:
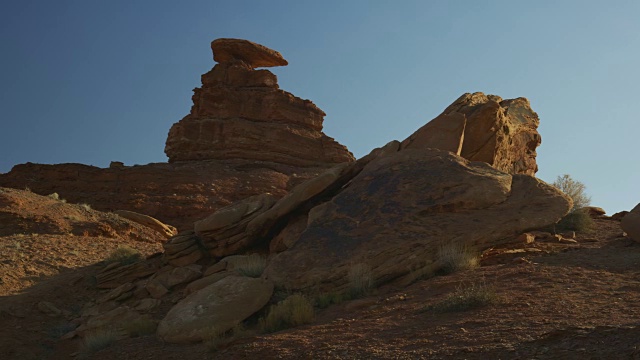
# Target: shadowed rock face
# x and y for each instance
(240, 113)
(395, 214)
(479, 127)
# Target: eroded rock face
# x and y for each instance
(240, 113)
(177, 194)
(631, 223)
(394, 215)
(479, 127)
(219, 306)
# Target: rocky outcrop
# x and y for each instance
(631, 223)
(176, 194)
(396, 213)
(214, 309)
(244, 136)
(479, 127)
(240, 113)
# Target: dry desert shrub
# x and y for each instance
(293, 311)
(360, 280)
(455, 257)
(55, 196)
(251, 266)
(97, 340)
(85, 206)
(141, 327)
(215, 338)
(574, 189)
(575, 221)
(325, 300)
(123, 255)
(466, 297)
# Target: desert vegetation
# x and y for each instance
(123, 255)
(97, 340)
(466, 297)
(293, 311)
(455, 257)
(576, 220)
(360, 280)
(251, 266)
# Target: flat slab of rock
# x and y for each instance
(252, 54)
(219, 306)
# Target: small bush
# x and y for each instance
(123, 255)
(141, 327)
(465, 298)
(575, 221)
(574, 189)
(85, 206)
(360, 280)
(455, 257)
(293, 311)
(251, 266)
(98, 340)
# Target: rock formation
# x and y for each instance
(479, 127)
(240, 113)
(631, 223)
(243, 137)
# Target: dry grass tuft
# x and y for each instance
(141, 327)
(466, 297)
(360, 280)
(293, 311)
(98, 340)
(251, 266)
(455, 257)
(123, 255)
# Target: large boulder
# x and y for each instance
(631, 223)
(240, 113)
(479, 127)
(214, 309)
(395, 214)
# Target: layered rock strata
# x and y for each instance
(479, 127)
(240, 113)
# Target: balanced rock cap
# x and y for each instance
(252, 54)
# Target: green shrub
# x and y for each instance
(360, 280)
(251, 266)
(98, 340)
(465, 298)
(123, 255)
(455, 257)
(575, 221)
(293, 311)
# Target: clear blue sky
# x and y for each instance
(95, 81)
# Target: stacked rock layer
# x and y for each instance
(240, 113)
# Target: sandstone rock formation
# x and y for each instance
(479, 127)
(176, 194)
(631, 223)
(401, 207)
(214, 309)
(252, 54)
(243, 137)
(240, 113)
